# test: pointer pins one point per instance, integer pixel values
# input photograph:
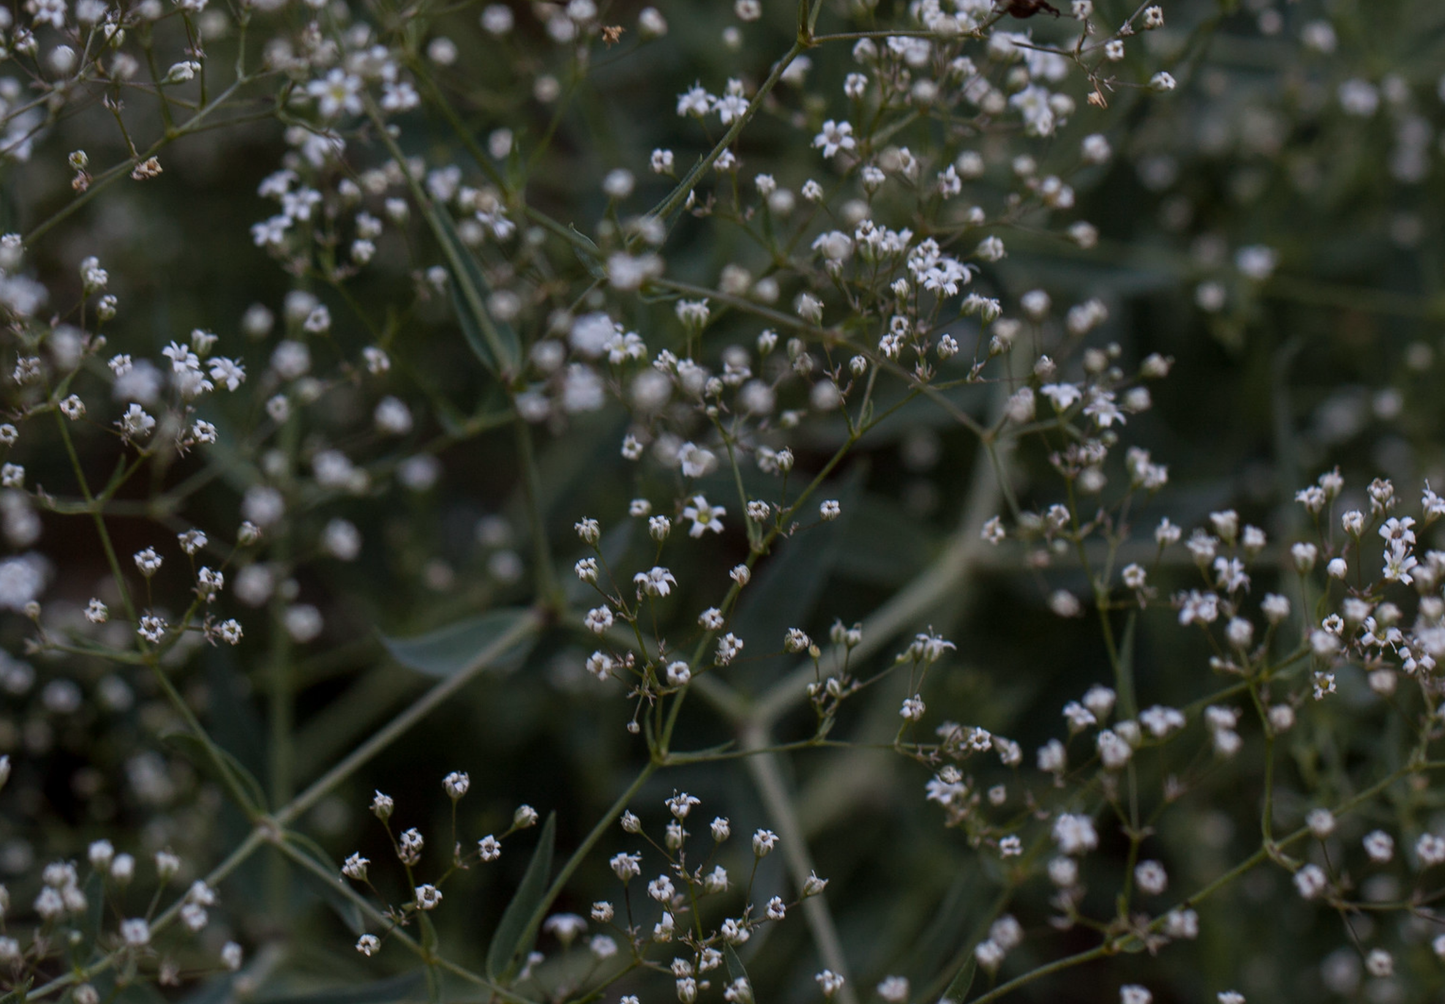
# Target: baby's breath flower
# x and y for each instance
(152, 628)
(835, 137)
(456, 784)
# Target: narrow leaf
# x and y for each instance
(958, 989)
(397, 988)
(331, 891)
(495, 344)
(515, 932)
(235, 778)
(451, 649)
(1126, 661)
(593, 262)
(736, 971)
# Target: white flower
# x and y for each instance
(694, 101)
(1113, 751)
(989, 954)
(704, 517)
(1380, 846)
(894, 989)
(338, 92)
(1062, 395)
(728, 647)
(834, 137)
(993, 530)
(1075, 834)
(21, 580)
(135, 422)
(734, 932)
(1310, 881)
(565, 926)
(696, 461)
(626, 866)
(1256, 261)
(152, 628)
(1430, 849)
(681, 803)
(600, 664)
(1151, 877)
(231, 956)
(657, 581)
(1321, 822)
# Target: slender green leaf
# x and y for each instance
(428, 932)
(398, 988)
(958, 989)
(91, 919)
(736, 970)
(449, 650)
(591, 262)
(331, 891)
(235, 778)
(429, 942)
(17, 995)
(495, 344)
(515, 932)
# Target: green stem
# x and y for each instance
(534, 923)
(423, 706)
(768, 779)
(83, 974)
(393, 933)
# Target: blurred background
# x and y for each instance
(1310, 129)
